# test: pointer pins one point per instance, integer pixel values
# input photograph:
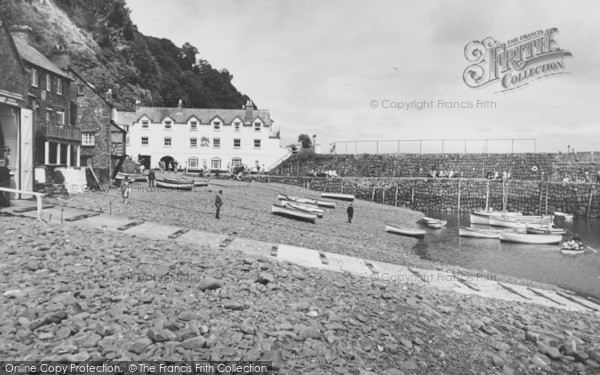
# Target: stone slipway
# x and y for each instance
(387, 273)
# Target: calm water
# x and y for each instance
(544, 263)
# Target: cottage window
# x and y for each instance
(193, 142)
(35, 82)
(168, 125)
(215, 163)
(60, 117)
(236, 126)
(48, 114)
(145, 141)
(257, 143)
(80, 89)
(88, 139)
(59, 86)
(236, 162)
(217, 125)
(237, 143)
(193, 163)
(194, 125)
(257, 126)
(216, 142)
(167, 141)
(48, 82)
(145, 124)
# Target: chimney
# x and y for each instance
(109, 96)
(179, 105)
(60, 57)
(138, 104)
(249, 109)
(22, 32)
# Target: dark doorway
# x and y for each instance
(169, 162)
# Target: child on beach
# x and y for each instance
(125, 190)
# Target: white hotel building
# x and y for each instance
(195, 138)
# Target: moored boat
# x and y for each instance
(428, 220)
(515, 222)
(481, 233)
(344, 197)
(434, 224)
(417, 233)
(538, 239)
(563, 215)
(173, 185)
(294, 213)
(546, 230)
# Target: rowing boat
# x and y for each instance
(547, 230)
(302, 207)
(344, 197)
(284, 197)
(572, 252)
(294, 213)
(531, 238)
(481, 233)
(326, 204)
(515, 222)
(432, 222)
(418, 233)
(563, 215)
(172, 185)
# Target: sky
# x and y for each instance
(348, 70)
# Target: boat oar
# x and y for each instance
(591, 248)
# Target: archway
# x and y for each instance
(169, 162)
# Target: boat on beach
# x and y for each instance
(302, 207)
(131, 176)
(344, 197)
(546, 230)
(175, 185)
(482, 233)
(293, 213)
(417, 233)
(538, 239)
(284, 197)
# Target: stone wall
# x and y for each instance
(442, 194)
(528, 166)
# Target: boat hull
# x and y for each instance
(417, 233)
(344, 197)
(478, 233)
(517, 223)
(293, 213)
(178, 186)
(134, 177)
(572, 252)
(563, 215)
(538, 239)
(542, 230)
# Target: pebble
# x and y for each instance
(209, 283)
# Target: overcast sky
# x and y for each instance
(318, 65)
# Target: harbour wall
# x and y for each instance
(521, 166)
(459, 194)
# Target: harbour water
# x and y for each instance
(544, 263)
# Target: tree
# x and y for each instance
(305, 140)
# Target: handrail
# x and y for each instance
(280, 160)
(38, 197)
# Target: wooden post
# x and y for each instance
(590, 202)
(383, 195)
(396, 199)
(412, 196)
(458, 204)
(342, 187)
(541, 193)
(308, 185)
(503, 196)
(373, 195)
(487, 196)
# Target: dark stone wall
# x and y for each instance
(528, 166)
(12, 76)
(442, 194)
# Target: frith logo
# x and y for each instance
(515, 63)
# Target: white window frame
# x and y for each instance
(216, 142)
(35, 78)
(168, 125)
(145, 124)
(194, 142)
(193, 126)
(88, 139)
(168, 140)
(48, 82)
(59, 88)
(60, 117)
(239, 141)
(80, 89)
(215, 163)
(257, 126)
(193, 163)
(217, 126)
(237, 126)
(147, 141)
(259, 143)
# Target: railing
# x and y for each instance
(415, 146)
(38, 197)
(57, 131)
(279, 161)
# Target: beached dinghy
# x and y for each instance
(294, 213)
(326, 204)
(344, 197)
(284, 197)
(302, 207)
(175, 185)
(572, 252)
(481, 233)
(418, 233)
(538, 239)
(546, 230)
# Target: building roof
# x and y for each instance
(11, 41)
(34, 57)
(204, 115)
(126, 118)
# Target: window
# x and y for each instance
(48, 82)
(145, 141)
(236, 162)
(127, 140)
(257, 126)
(193, 163)
(58, 86)
(237, 143)
(80, 89)
(217, 125)
(236, 126)
(257, 143)
(194, 125)
(88, 139)
(145, 124)
(215, 163)
(48, 114)
(216, 142)
(168, 125)
(34, 77)
(167, 141)
(193, 142)
(60, 117)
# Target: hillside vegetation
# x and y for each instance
(111, 53)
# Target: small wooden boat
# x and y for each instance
(481, 233)
(417, 233)
(294, 213)
(572, 252)
(284, 197)
(173, 185)
(563, 215)
(326, 204)
(431, 220)
(538, 239)
(546, 230)
(344, 197)
(434, 224)
(302, 207)
(515, 222)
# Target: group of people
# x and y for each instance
(443, 174)
(171, 166)
(573, 244)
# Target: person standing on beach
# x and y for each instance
(151, 178)
(350, 212)
(125, 190)
(4, 182)
(219, 202)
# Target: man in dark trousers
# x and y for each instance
(151, 178)
(219, 203)
(350, 212)
(4, 182)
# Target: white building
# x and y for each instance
(195, 138)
